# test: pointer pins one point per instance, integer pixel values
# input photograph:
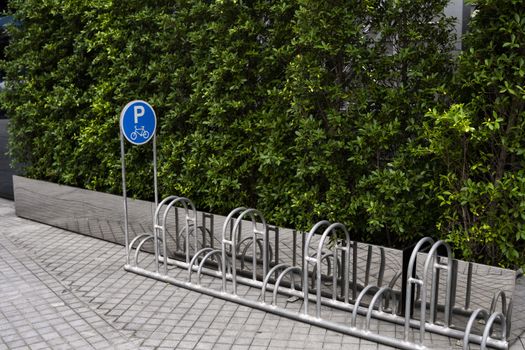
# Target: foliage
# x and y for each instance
(478, 145)
(304, 109)
(359, 85)
(72, 65)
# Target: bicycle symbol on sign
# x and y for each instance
(139, 132)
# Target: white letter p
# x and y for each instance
(138, 112)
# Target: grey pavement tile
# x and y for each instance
(22, 347)
(152, 342)
(297, 344)
(226, 339)
(186, 344)
(192, 338)
(222, 346)
(34, 340)
(15, 343)
(239, 347)
(170, 343)
(262, 341)
(175, 336)
(207, 338)
(205, 346)
(39, 346)
(274, 343)
(243, 340)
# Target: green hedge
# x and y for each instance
(478, 145)
(304, 109)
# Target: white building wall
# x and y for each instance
(461, 12)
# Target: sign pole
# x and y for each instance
(155, 238)
(124, 196)
(155, 174)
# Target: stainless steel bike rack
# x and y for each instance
(325, 275)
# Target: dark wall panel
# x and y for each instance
(6, 173)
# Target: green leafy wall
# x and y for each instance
(477, 146)
(304, 109)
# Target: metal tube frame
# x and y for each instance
(227, 272)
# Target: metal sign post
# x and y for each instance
(138, 124)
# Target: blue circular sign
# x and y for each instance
(138, 122)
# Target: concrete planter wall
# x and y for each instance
(87, 212)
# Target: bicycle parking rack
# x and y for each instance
(325, 277)
(179, 255)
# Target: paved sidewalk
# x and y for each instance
(37, 310)
(61, 290)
